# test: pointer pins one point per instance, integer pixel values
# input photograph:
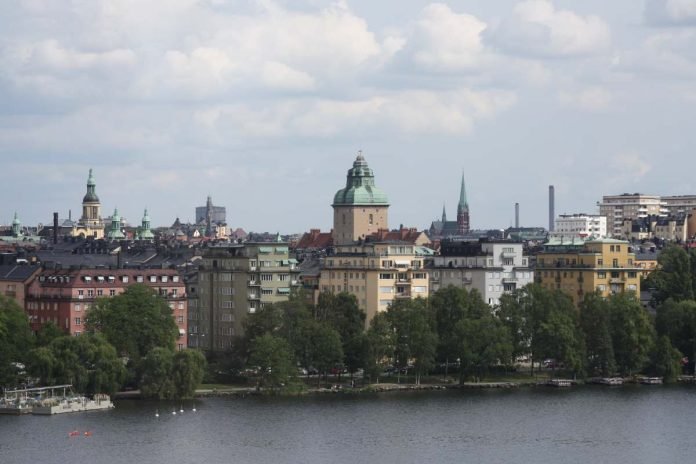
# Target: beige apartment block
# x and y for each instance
(377, 274)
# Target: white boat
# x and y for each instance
(650, 380)
(72, 404)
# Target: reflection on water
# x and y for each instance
(591, 424)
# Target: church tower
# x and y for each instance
(91, 206)
(360, 208)
(462, 211)
(145, 233)
(16, 226)
(115, 230)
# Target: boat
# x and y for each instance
(650, 380)
(56, 399)
(559, 383)
(610, 381)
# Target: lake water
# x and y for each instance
(633, 424)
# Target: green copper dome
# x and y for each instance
(91, 195)
(360, 187)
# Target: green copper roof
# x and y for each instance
(16, 219)
(360, 187)
(91, 195)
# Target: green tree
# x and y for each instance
(134, 322)
(483, 341)
(677, 320)
(342, 313)
(665, 360)
(273, 356)
(16, 340)
(87, 362)
(595, 324)
(632, 332)
(414, 336)
(673, 278)
(157, 381)
(48, 332)
(188, 367)
(380, 346)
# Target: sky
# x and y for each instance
(264, 104)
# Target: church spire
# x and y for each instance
(444, 214)
(463, 203)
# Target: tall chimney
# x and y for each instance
(55, 228)
(552, 207)
(517, 215)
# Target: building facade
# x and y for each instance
(65, 297)
(579, 267)
(14, 280)
(360, 209)
(233, 281)
(581, 225)
(376, 273)
(627, 206)
(493, 268)
(91, 223)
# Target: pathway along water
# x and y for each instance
(632, 424)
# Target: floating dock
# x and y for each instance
(50, 400)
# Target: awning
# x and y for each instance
(265, 249)
(292, 261)
(182, 332)
(281, 249)
(284, 290)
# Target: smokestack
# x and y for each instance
(55, 228)
(517, 215)
(552, 207)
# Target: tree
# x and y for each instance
(665, 360)
(380, 346)
(16, 340)
(188, 368)
(157, 379)
(48, 332)
(414, 336)
(595, 324)
(134, 322)
(342, 313)
(273, 356)
(632, 332)
(677, 320)
(483, 341)
(673, 278)
(88, 362)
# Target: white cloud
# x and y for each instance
(445, 40)
(537, 28)
(669, 54)
(587, 99)
(670, 12)
(629, 168)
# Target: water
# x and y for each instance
(634, 424)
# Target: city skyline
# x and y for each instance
(242, 103)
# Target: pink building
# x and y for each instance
(64, 297)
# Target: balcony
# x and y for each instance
(617, 280)
(509, 280)
(254, 283)
(253, 296)
(403, 295)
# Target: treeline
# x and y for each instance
(455, 329)
(129, 342)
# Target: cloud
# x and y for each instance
(669, 54)
(587, 99)
(670, 12)
(537, 28)
(631, 168)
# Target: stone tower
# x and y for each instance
(91, 206)
(16, 226)
(360, 208)
(462, 211)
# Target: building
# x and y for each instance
(213, 219)
(581, 225)
(678, 228)
(14, 280)
(115, 232)
(491, 267)
(578, 267)
(360, 208)
(679, 205)
(377, 273)
(444, 228)
(144, 233)
(233, 281)
(17, 235)
(619, 208)
(90, 224)
(64, 296)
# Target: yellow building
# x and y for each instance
(376, 273)
(579, 267)
(91, 223)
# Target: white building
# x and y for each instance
(492, 268)
(581, 225)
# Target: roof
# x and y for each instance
(315, 239)
(16, 272)
(411, 235)
(360, 187)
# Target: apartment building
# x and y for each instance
(580, 225)
(578, 267)
(14, 280)
(491, 267)
(234, 280)
(65, 296)
(376, 273)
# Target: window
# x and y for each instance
(165, 278)
(419, 289)
(632, 274)
(615, 263)
(78, 321)
(90, 292)
(614, 274)
(283, 277)
(78, 307)
(112, 292)
(386, 276)
(139, 279)
(386, 289)
(267, 291)
(601, 275)
(175, 278)
(100, 292)
(600, 262)
(180, 319)
(371, 220)
(266, 277)
(181, 305)
(228, 304)
(153, 278)
(226, 291)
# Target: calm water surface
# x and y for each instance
(636, 424)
